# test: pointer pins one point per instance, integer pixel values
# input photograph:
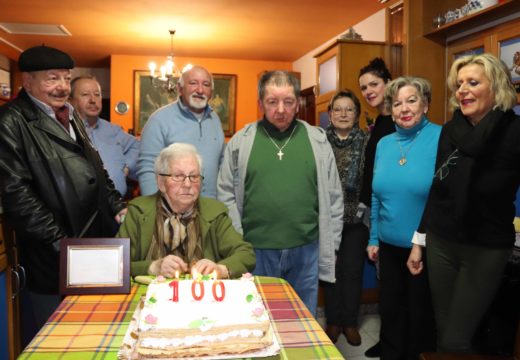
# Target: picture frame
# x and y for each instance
(148, 98)
(509, 53)
(94, 266)
(223, 101)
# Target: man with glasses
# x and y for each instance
(280, 182)
(175, 230)
(53, 181)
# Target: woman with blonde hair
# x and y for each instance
(468, 220)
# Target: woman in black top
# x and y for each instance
(468, 219)
(373, 79)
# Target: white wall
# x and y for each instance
(371, 29)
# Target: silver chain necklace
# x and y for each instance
(403, 160)
(280, 153)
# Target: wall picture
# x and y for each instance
(149, 98)
(510, 55)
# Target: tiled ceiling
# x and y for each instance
(281, 30)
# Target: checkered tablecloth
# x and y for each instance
(93, 326)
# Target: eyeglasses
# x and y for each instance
(444, 170)
(340, 110)
(195, 179)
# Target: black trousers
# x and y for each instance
(464, 279)
(407, 321)
(343, 298)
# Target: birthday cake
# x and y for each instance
(194, 318)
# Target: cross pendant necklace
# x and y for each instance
(280, 153)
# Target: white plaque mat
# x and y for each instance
(128, 348)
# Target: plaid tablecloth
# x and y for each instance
(93, 326)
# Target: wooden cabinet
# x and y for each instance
(428, 51)
(337, 68)
(10, 286)
(456, 28)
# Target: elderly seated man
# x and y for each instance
(176, 230)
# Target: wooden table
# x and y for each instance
(93, 326)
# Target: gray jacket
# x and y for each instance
(231, 179)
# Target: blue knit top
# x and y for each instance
(399, 192)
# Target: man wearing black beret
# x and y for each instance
(52, 180)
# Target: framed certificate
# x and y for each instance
(94, 266)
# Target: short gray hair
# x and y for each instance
(278, 78)
(423, 86)
(185, 73)
(172, 153)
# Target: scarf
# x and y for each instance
(175, 234)
(469, 143)
(352, 147)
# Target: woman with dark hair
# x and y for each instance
(468, 220)
(373, 79)
(342, 299)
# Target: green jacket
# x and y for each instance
(221, 243)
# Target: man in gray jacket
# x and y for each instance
(280, 182)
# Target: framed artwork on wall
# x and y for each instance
(223, 101)
(148, 98)
(509, 53)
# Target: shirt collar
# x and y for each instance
(87, 124)
(49, 110)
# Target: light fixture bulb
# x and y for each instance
(187, 67)
(152, 66)
(168, 75)
(169, 65)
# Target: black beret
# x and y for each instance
(44, 58)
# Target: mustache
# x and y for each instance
(199, 96)
(60, 93)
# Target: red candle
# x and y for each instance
(194, 285)
(218, 284)
(175, 285)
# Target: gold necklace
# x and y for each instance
(403, 160)
(280, 153)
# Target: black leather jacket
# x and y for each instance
(51, 186)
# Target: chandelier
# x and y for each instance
(168, 76)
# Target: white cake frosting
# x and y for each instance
(188, 323)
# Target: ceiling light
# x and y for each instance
(168, 75)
